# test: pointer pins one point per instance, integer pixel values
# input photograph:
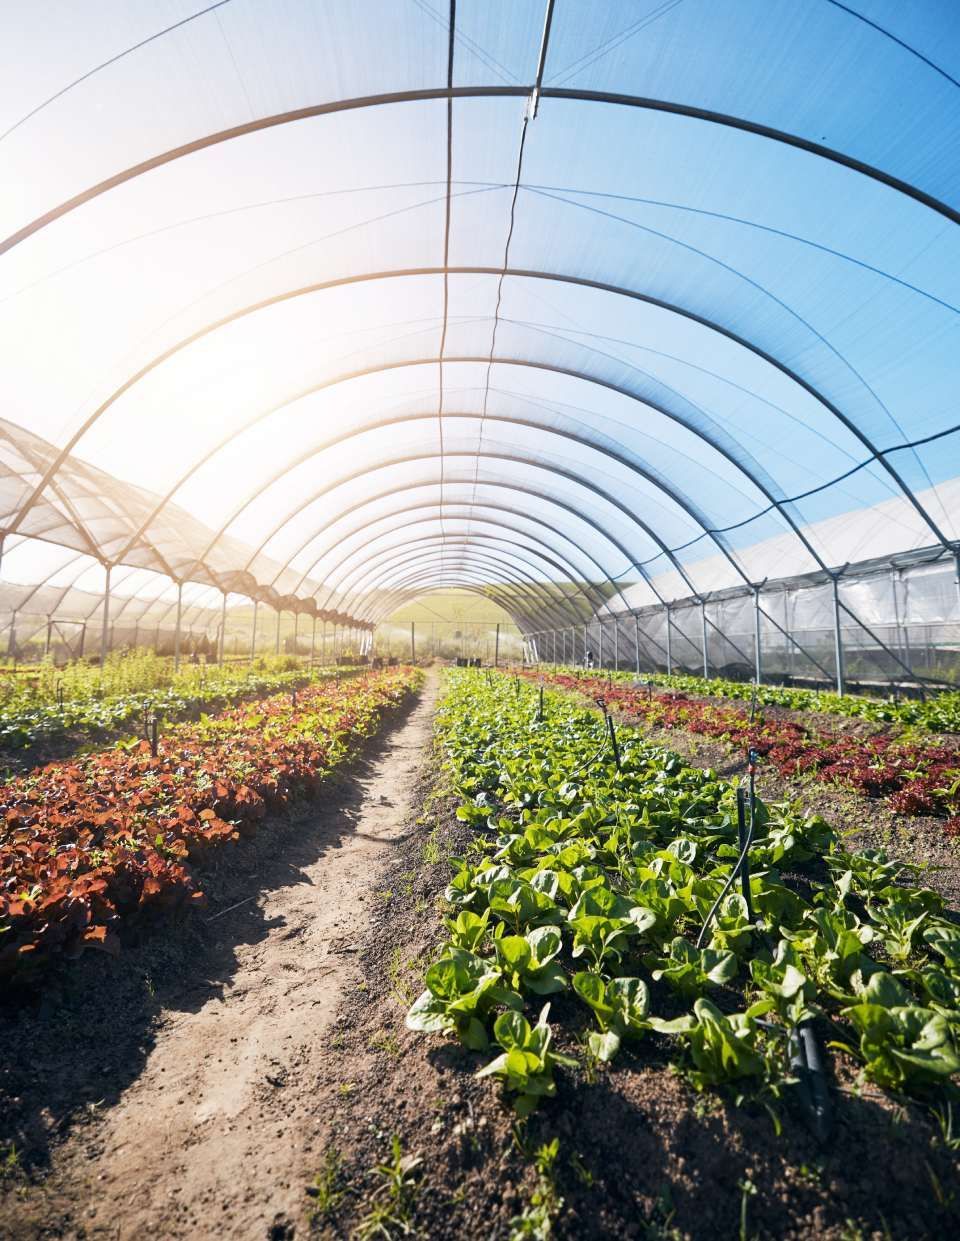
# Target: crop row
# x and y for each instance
(917, 777)
(939, 713)
(591, 879)
(29, 721)
(86, 844)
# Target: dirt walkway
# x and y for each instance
(212, 1137)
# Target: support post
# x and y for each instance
(838, 637)
(323, 647)
(276, 645)
(176, 635)
(757, 663)
(703, 637)
(496, 647)
(413, 642)
(669, 641)
(253, 636)
(12, 643)
(46, 644)
(636, 638)
(616, 645)
(600, 647)
(313, 641)
(296, 633)
(105, 626)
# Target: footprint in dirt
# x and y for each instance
(281, 1229)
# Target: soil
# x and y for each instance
(641, 1154)
(246, 1077)
(172, 1092)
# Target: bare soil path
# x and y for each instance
(213, 1135)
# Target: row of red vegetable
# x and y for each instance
(916, 778)
(86, 844)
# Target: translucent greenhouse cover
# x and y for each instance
(586, 304)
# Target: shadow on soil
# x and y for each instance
(76, 1038)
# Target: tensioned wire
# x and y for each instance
(529, 115)
(446, 246)
(112, 61)
(764, 291)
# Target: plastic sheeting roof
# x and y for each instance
(564, 300)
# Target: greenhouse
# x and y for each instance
(611, 347)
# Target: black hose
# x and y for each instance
(745, 849)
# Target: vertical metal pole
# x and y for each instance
(105, 626)
(616, 645)
(600, 647)
(313, 640)
(276, 645)
(176, 635)
(296, 633)
(636, 636)
(46, 645)
(757, 662)
(253, 636)
(496, 647)
(703, 635)
(323, 646)
(838, 637)
(12, 644)
(669, 641)
(413, 642)
(223, 630)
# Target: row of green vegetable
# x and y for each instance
(28, 718)
(938, 712)
(591, 877)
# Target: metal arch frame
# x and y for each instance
(681, 503)
(462, 576)
(780, 505)
(379, 560)
(480, 92)
(547, 554)
(531, 463)
(559, 611)
(559, 604)
(629, 464)
(505, 486)
(322, 286)
(875, 455)
(430, 510)
(433, 580)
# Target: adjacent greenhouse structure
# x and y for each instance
(326, 307)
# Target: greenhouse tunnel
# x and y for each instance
(541, 300)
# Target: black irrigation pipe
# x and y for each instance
(813, 1092)
(746, 840)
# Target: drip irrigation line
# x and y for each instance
(741, 860)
